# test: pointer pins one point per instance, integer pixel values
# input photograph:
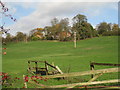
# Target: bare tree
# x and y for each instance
(4, 13)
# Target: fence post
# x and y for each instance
(91, 68)
(29, 65)
(36, 67)
(25, 84)
(74, 39)
(46, 67)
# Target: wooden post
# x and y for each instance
(29, 65)
(95, 77)
(36, 67)
(46, 67)
(58, 69)
(74, 39)
(25, 84)
(91, 68)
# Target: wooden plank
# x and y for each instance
(86, 83)
(109, 70)
(29, 65)
(95, 77)
(30, 72)
(38, 84)
(105, 64)
(58, 69)
(25, 84)
(92, 68)
(104, 87)
(50, 65)
(91, 80)
(112, 88)
(46, 66)
(36, 67)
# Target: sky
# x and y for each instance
(32, 14)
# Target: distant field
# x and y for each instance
(63, 54)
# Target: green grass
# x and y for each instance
(63, 54)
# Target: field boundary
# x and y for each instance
(109, 70)
(85, 83)
(92, 66)
(104, 64)
(90, 82)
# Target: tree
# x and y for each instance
(64, 30)
(108, 29)
(20, 36)
(78, 25)
(58, 27)
(109, 26)
(37, 34)
(115, 29)
(48, 33)
(89, 31)
(3, 12)
(64, 24)
(79, 19)
(82, 27)
(54, 21)
(54, 28)
(8, 37)
(103, 27)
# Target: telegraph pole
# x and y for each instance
(74, 39)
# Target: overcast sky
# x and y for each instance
(31, 14)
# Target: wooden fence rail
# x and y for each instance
(85, 83)
(90, 82)
(104, 64)
(92, 65)
(109, 70)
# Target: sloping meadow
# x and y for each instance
(64, 55)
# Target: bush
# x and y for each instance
(111, 33)
(49, 38)
(35, 38)
(108, 33)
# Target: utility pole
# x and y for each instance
(74, 39)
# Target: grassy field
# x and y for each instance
(63, 54)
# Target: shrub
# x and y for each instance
(35, 38)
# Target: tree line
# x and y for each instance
(62, 31)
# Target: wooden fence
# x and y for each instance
(92, 66)
(109, 70)
(37, 68)
(90, 82)
(85, 83)
(104, 64)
